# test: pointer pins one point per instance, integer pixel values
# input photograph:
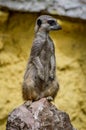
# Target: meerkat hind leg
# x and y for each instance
(28, 103)
(49, 98)
(51, 91)
(29, 91)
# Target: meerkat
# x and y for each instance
(40, 75)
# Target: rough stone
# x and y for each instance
(40, 115)
(70, 8)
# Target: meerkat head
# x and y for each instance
(46, 23)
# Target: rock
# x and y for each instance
(70, 8)
(39, 115)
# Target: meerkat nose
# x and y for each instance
(59, 27)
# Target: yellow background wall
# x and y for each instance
(16, 35)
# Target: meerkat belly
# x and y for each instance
(45, 56)
(45, 60)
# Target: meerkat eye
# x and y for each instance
(51, 22)
(39, 22)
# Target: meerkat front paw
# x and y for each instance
(52, 76)
(41, 74)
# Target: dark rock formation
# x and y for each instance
(40, 115)
(70, 8)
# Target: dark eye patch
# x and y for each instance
(39, 22)
(51, 22)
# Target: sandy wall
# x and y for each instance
(16, 35)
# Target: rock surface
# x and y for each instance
(40, 115)
(70, 8)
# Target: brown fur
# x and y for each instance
(40, 76)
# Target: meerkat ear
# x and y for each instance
(39, 22)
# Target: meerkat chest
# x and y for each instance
(46, 51)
